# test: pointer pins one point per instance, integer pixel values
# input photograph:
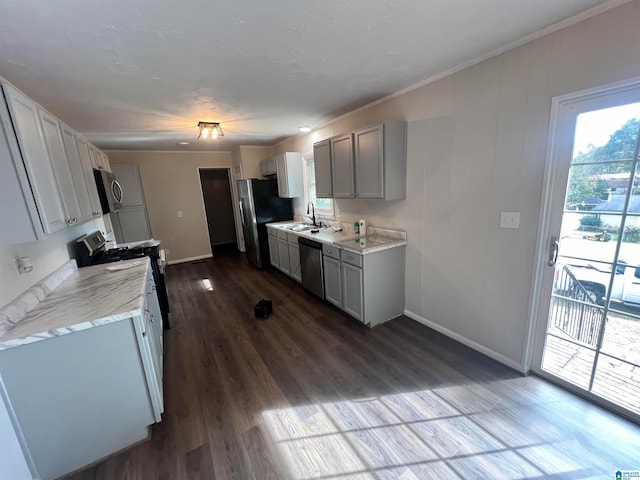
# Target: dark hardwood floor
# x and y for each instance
(311, 394)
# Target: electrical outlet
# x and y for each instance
(179, 213)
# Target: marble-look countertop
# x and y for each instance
(89, 297)
(324, 235)
(377, 238)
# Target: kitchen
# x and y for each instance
(472, 152)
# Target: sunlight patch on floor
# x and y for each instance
(465, 431)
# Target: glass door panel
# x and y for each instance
(594, 313)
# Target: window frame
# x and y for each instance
(327, 213)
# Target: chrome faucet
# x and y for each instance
(313, 213)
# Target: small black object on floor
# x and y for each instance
(263, 309)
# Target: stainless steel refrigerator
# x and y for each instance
(259, 205)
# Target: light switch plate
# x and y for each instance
(510, 220)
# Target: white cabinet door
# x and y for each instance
(87, 169)
(352, 298)
(106, 165)
(294, 261)
(273, 251)
(283, 256)
(147, 354)
(77, 172)
(289, 171)
(60, 162)
(24, 116)
(332, 281)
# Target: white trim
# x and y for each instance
(189, 259)
(567, 22)
(469, 343)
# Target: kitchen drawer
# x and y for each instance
(282, 234)
(351, 258)
(331, 251)
(292, 237)
(272, 232)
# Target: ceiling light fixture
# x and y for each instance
(304, 129)
(183, 144)
(210, 130)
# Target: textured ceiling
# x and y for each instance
(140, 74)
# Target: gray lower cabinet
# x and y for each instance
(352, 291)
(294, 257)
(332, 281)
(283, 253)
(369, 287)
(273, 247)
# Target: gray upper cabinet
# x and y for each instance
(342, 166)
(322, 167)
(380, 159)
(26, 123)
(368, 163)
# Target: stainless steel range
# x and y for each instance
(91, 249)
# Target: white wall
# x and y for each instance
(46, 256)
(476, 146)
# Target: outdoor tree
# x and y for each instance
(588, 181)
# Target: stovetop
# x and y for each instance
(125, 253)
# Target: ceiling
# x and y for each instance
(140, 74)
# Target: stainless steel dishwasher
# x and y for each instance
(311, 266)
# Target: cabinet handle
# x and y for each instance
(144, 334)
(96, 213)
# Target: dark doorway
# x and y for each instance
(218, 204)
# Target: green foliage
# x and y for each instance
(613, 157)
(591, 221)
(631, 235)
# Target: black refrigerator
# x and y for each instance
(259, 204)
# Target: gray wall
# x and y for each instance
(477, 144)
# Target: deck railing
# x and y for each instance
(573, 310)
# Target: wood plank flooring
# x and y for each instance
(311, 394)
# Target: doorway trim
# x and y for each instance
(234, 200)
(538, 308)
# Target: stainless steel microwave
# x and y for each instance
(109, 191)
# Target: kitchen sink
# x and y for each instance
(299, 228)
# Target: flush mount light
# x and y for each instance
(183, 144)
(304, 129)
(210, 130)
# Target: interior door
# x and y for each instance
(588, 307)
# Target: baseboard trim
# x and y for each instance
(469, 343)
(189, 259)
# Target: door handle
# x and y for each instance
(242, 216)
(554, 246)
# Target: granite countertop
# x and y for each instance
(376, 240)
(87, 298)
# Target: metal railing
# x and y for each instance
(574, 310)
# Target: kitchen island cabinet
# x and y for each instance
(82, 370)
